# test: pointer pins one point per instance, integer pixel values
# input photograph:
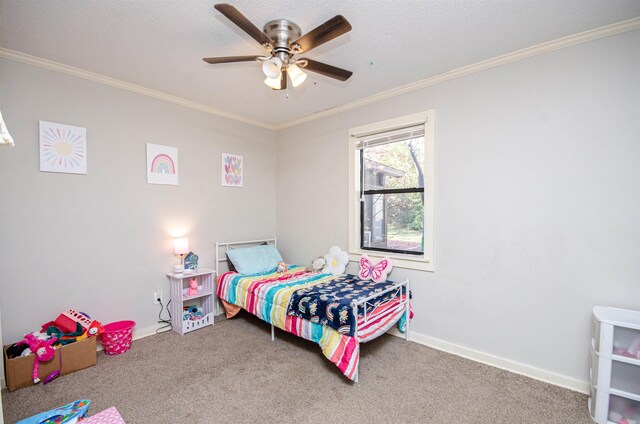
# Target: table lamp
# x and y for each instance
(181, 247)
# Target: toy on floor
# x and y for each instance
(67, 414)
(17, 349)
(68, 337)
(67, 321)
(193, 287)
(95, 329)
(40, 335)
(69, 327)
(43, 351)
(108, 416)
(55, 374)
(22, 348)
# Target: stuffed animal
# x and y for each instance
(193, 287)
(282, 267)
(40, 335)
(95, 329)
(43, 352)
(318, 264)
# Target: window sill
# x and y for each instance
(418, 263)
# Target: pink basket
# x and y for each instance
(117, 337)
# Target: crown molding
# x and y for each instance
(571, 40)
(538, 49)
(138, 89)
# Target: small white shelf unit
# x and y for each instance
(205, 299)
(615, 366)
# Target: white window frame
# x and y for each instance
(424, 262)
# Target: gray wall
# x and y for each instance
(537, 200)
(102, 242)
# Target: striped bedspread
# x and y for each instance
(267, 297)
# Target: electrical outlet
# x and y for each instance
(155, 298)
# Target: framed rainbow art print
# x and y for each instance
(162, 164)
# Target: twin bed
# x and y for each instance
(336, 312)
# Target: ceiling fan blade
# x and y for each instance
(245, 24)
(230, 59)
(329, 30)
(327, 70)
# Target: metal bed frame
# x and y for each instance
(355, 304)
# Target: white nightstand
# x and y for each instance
(205, 299)
(615, 371)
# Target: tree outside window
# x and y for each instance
(392, 194)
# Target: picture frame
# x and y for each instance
(162, 164)
(232, 170)
(63, 148)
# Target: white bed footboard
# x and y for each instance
(367, 301)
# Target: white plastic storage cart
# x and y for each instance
(615, 366)
(204, 300)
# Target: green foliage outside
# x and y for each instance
(405, 212)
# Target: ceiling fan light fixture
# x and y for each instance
(272, 67)
(273, 82)
(296, 74)
(284, 40)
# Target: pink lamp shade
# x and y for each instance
(181, 246)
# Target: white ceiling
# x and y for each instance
(159, 44)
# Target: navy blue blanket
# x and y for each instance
(329, 303)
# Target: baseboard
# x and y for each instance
(495, 361)
(141, 333)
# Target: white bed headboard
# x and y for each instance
(225, 246)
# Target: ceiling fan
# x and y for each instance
(283, 40)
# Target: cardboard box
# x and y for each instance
(75, 356)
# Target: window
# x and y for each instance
(391, 195)
(392, 191)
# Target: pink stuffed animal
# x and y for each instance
(193, 287)
(43, 352)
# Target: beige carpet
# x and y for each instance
(233, 373)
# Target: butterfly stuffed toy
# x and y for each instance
(378, 272)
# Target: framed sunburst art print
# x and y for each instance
(63, 148)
